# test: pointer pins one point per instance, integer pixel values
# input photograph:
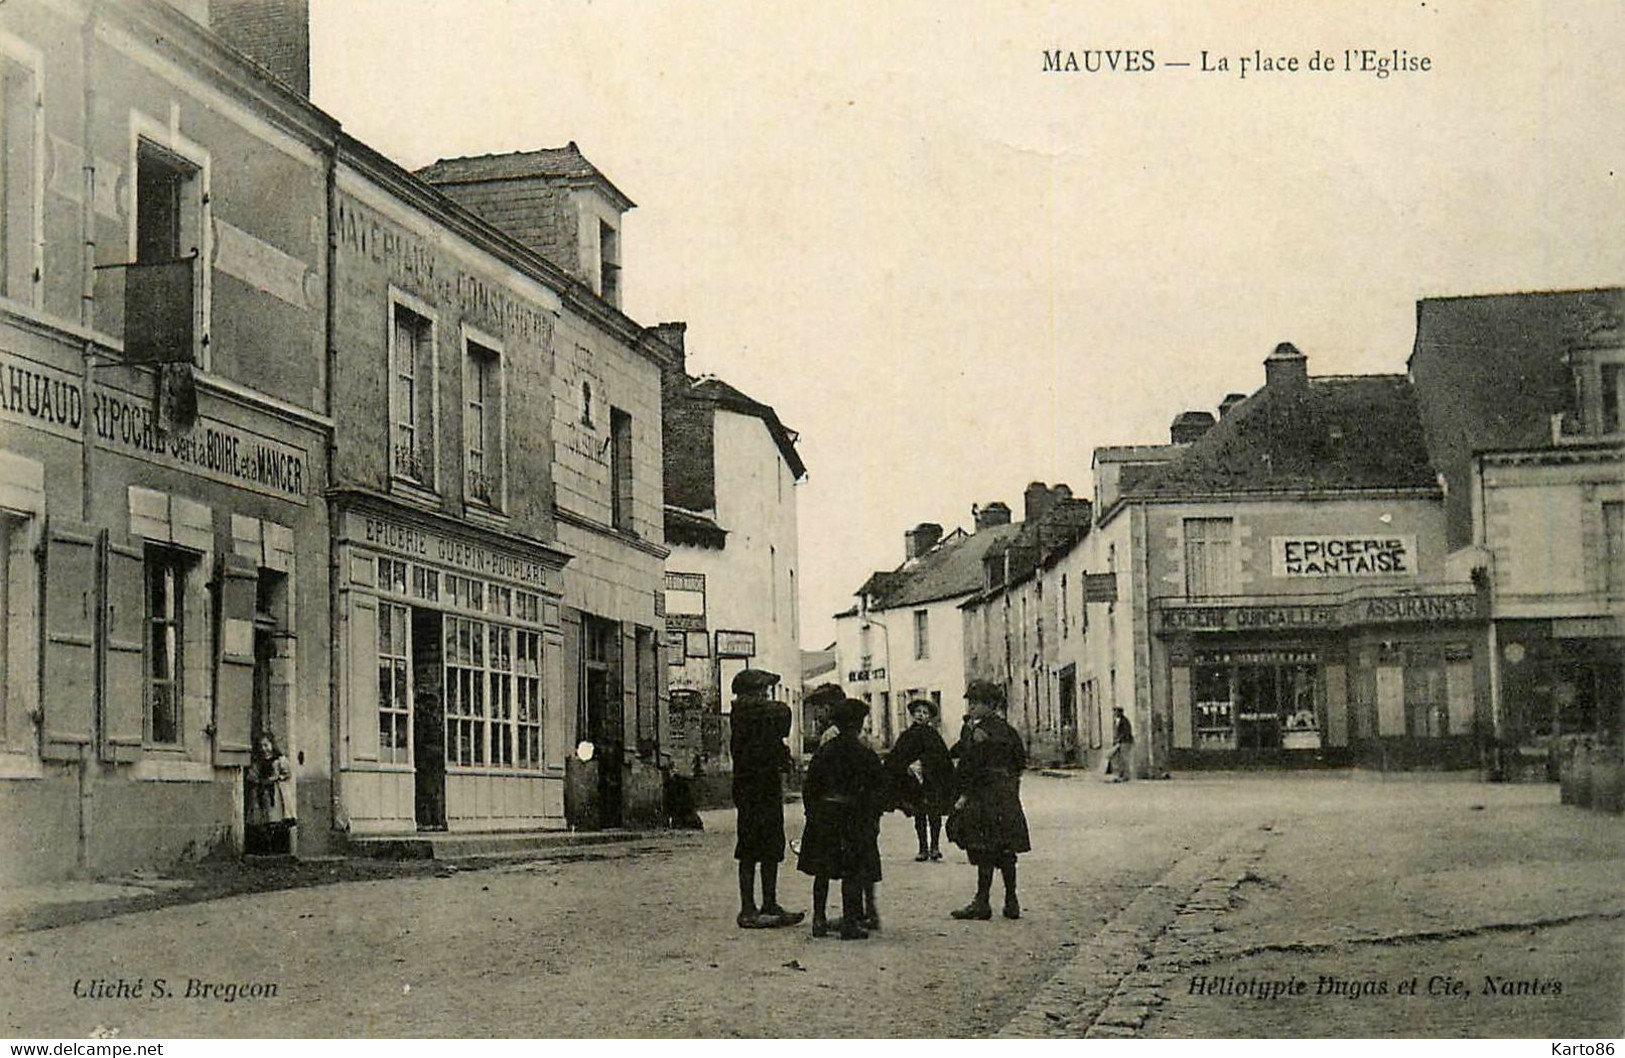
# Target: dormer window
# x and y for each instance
(609, 264)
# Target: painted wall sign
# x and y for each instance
(1245, 618)
(1100, 587)
(736, 644)
(1401, 609)
(387, 534)
(1343, 556)
(42, 397)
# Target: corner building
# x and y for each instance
(163, 435)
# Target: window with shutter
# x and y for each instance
(122, 724)
(362, 689)
(68, 689)
(234, 683)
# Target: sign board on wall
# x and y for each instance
(1100, 587)
(1343, 556)
(735, 644)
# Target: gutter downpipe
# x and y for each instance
(335, 624)
(87, 434)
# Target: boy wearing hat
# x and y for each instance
(929, 796)
(844, 794)
(987, 820)
(760, 757)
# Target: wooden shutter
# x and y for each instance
(234, 680)
(1180, 678)
(1458, 682)
(68, 690)
(567, 712)
(1390, 700)
(1337, 706)
(124, 715)
(361, 660)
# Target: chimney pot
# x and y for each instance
(1230, 401)
(993, 514)
(1286, 369)
(921, 539)
(1189, 425)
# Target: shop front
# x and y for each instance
(1561, 679)
(452, 641)
(1391, 680)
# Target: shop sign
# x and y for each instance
(736, 644)
(1343, 556)
(1099, 587)
(1245, 618)
(44, 398)
(865, 675)
(1408, 609)
(387, 534)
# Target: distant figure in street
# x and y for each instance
(923, 775)
(761, 757)
(987, 820)
(269, 824)
(844, 794)
(1120, 761)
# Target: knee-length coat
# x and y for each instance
(991, 825)
(844, 795)
(933, 793)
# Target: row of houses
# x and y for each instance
(1420, 570)
(296, 442)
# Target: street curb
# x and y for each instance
(1110, 987)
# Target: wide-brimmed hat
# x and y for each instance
(986, 692)
(754, 680)
(924, 703)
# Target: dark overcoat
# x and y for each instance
(991, 827)
(760, 758)
(844, 794)
(934, 793)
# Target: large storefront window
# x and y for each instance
(1257, 700)
(476, 679)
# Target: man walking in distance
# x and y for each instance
(760, 759)
(1121, 761)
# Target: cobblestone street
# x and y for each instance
(1152, 909)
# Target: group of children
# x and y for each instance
(848, 788)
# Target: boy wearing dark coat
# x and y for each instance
(844, 794)
(759, 727)
(987, 820)
(929, 796)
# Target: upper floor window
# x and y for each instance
(20, 173)
(411, 355)
(168, 236)
(922, 634)
(620, 468)
(1612, 376)
(1613, 548)
(483, 424)
(1209, 557)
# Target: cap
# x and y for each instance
(985, 691)
(849, 712)
(824, 694)
(754, 680)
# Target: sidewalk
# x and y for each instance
(47, 905)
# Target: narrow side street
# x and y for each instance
(1133, 892)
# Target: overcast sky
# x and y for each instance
(954, 273)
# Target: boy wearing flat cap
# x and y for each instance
(845, 794)
(987, 820)
(760, 758)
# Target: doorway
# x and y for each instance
(604, 725)
(428, 721)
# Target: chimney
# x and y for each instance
(1036, 501)
(1062, 493)
(920, 539)
(672, 335)
(991, 516)
(1189, 425)
(274, 33)
(1230, 401)
(1286, 370)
